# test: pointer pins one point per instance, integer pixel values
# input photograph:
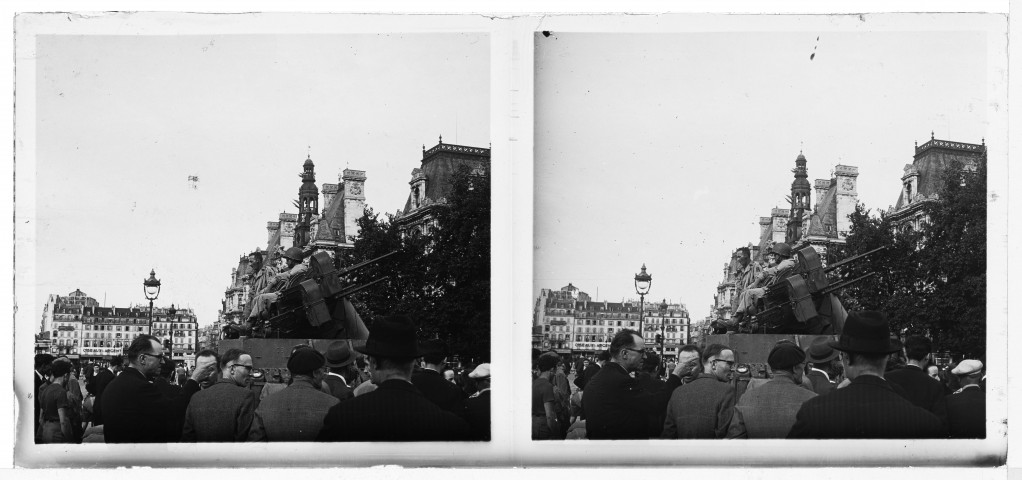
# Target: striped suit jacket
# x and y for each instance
(395, 412)
(869, 407)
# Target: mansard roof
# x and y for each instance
(933, 158)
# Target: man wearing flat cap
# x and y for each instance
(966, 408)
(869, 407)
(396, 411)
(340, 360)
(296, 413)
(477, 407)
(769, 410)
(825, 366)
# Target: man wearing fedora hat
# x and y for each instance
(295, 414)
(869, 407)
(825, 366)
(341, 362)
(396, 411)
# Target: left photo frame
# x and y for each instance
(253, 227)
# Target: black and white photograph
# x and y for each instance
(770, 227)
(538, 239)
(251, 237)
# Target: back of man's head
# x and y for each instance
(622, 339)
(650, 362)
(603, 356)
(59, 369)
(435, 351)
(167, 369)
(917, 347)
(400, 367)
(42, 359)
(548, 361)
(875, 363)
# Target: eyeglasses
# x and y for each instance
(636, 350)
(248, 367)
(730, 363)
(160, 356)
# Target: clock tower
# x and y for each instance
(353, 196)
(308, 203)
(846, 178)
(799, 200)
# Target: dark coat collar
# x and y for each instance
(134, 372)
(619, 367)
(395, 384)
(871, 380)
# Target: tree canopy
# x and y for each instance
(440, 278)
(930, 281)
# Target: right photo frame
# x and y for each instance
(775, 228)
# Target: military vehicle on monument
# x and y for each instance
(311, 309)
(800, 307)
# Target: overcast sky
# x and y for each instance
(666, 149)
(123, 121)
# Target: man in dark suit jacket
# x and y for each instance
(431, 382)
(868, 407)
(824, 366)
(135, 410)
(477, 407)
(966, 408)
(42, 361)
(583, 377)
(922, 390)
(614, 406)
(342, 371)
(99, 384)
(396, 411)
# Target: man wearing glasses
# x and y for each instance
(134, 410)
(615, 406)
(224, 411)
(702, 408)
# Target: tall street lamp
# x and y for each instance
(152, 290)
(642, 282)
(663, 320)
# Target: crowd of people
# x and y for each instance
(142, 397)
(865, 384)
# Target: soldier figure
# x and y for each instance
(295, 273)
(780, 264)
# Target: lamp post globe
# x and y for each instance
(642, 283)
(151, 287)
